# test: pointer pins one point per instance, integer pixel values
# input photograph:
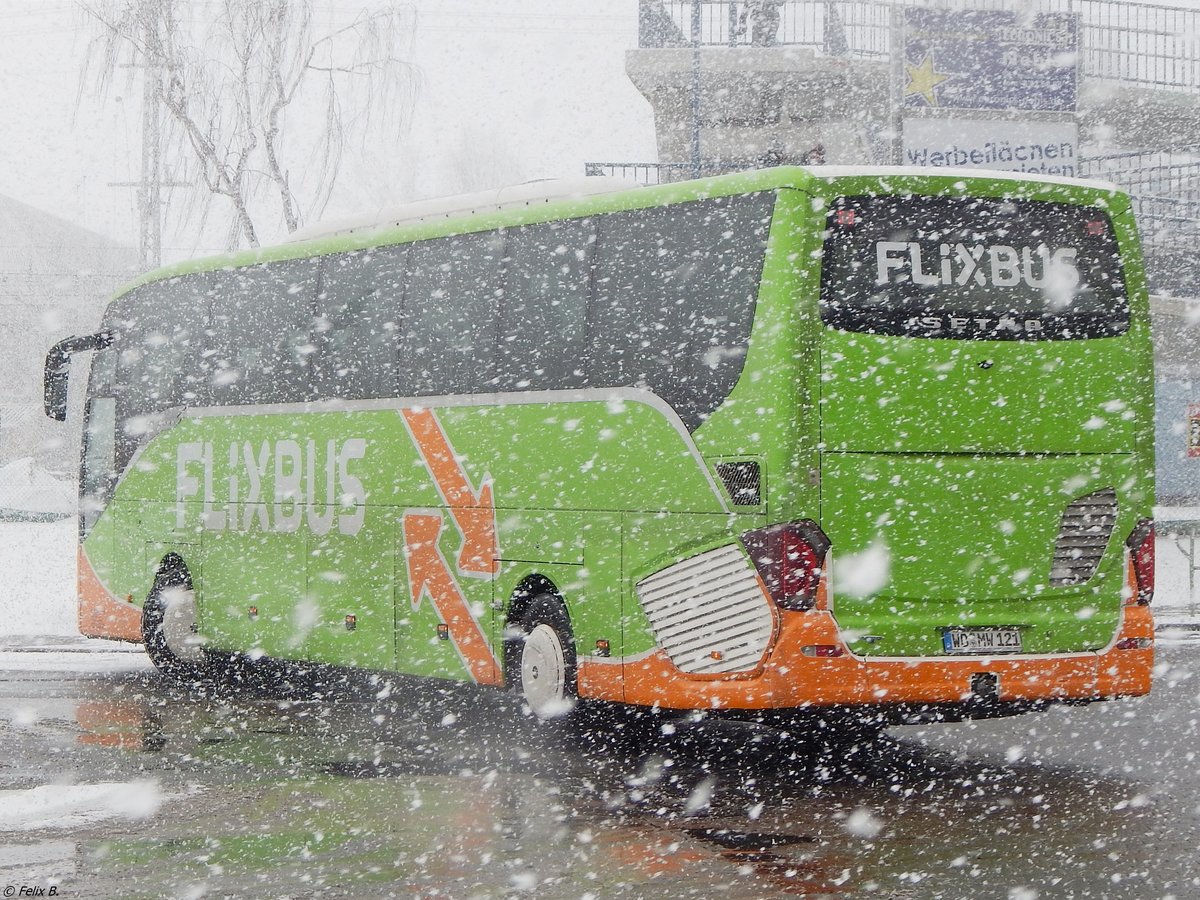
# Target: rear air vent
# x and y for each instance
(1087, 524)
(742, 480)
(709, 613)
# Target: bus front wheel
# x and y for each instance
(169, 624)
(540, 658)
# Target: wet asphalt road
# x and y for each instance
(326, 786)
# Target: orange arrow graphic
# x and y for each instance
(428, 574)
(474, 515)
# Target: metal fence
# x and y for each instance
(1167, 225)
(1171, 172)
(848, 28)
(1140, 43)
(643, 173)
(660, 173)
(1165, 189)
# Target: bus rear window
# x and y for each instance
(972, 268)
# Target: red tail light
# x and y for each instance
(1141, 643)
(823, 651)
(789, 558)
(1141, 555)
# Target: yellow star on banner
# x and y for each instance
(922, 80)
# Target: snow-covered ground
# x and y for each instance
(75, 805)
(37, 580)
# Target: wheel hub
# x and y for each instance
(543, 669)
(179, 626)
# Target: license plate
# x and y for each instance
(982, 640)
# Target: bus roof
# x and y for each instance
(514, 196)
(532, 193)
(567, 197)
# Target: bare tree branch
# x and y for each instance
(234, 90)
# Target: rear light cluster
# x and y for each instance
(823, 651)
(1141, 557)
(790, 558)
(1135, 643)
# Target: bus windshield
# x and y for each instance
(973, 268)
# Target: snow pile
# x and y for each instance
(28, 491)
(37, 578)
(76, 805)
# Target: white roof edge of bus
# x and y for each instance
(953, 172)
(550, 189)
(510, 197)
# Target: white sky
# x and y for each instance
(509, 90)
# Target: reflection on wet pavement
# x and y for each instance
(334, 785)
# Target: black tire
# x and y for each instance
(540, 659)
(168, 631)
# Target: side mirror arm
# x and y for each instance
(58, 369)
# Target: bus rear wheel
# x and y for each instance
(540, 658)
(169, 629)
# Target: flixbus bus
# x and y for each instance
(871, 439)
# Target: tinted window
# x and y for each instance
(160, 330)
(448, 342)
(260, 333)
(152, 366)
(661, 299)
(675, 295)
(358, 323)
(972, 268)
(543, 320)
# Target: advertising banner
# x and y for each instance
(985, 59)
(1193, 430)
(1039, 148)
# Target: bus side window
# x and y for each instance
(170, 337)
(675, 298)
(448, 339)
(358, 314)
(543, 318)
(151, 367)
(153, 362)
(261, 333)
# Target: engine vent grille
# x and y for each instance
(1087, 524)
(708, 612)
(743, 481)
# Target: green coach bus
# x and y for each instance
(877, 439)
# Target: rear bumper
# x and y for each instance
(788, 679)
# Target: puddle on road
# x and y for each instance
(352, 795)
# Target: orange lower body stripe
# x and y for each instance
(789, 679)
(101, 615)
